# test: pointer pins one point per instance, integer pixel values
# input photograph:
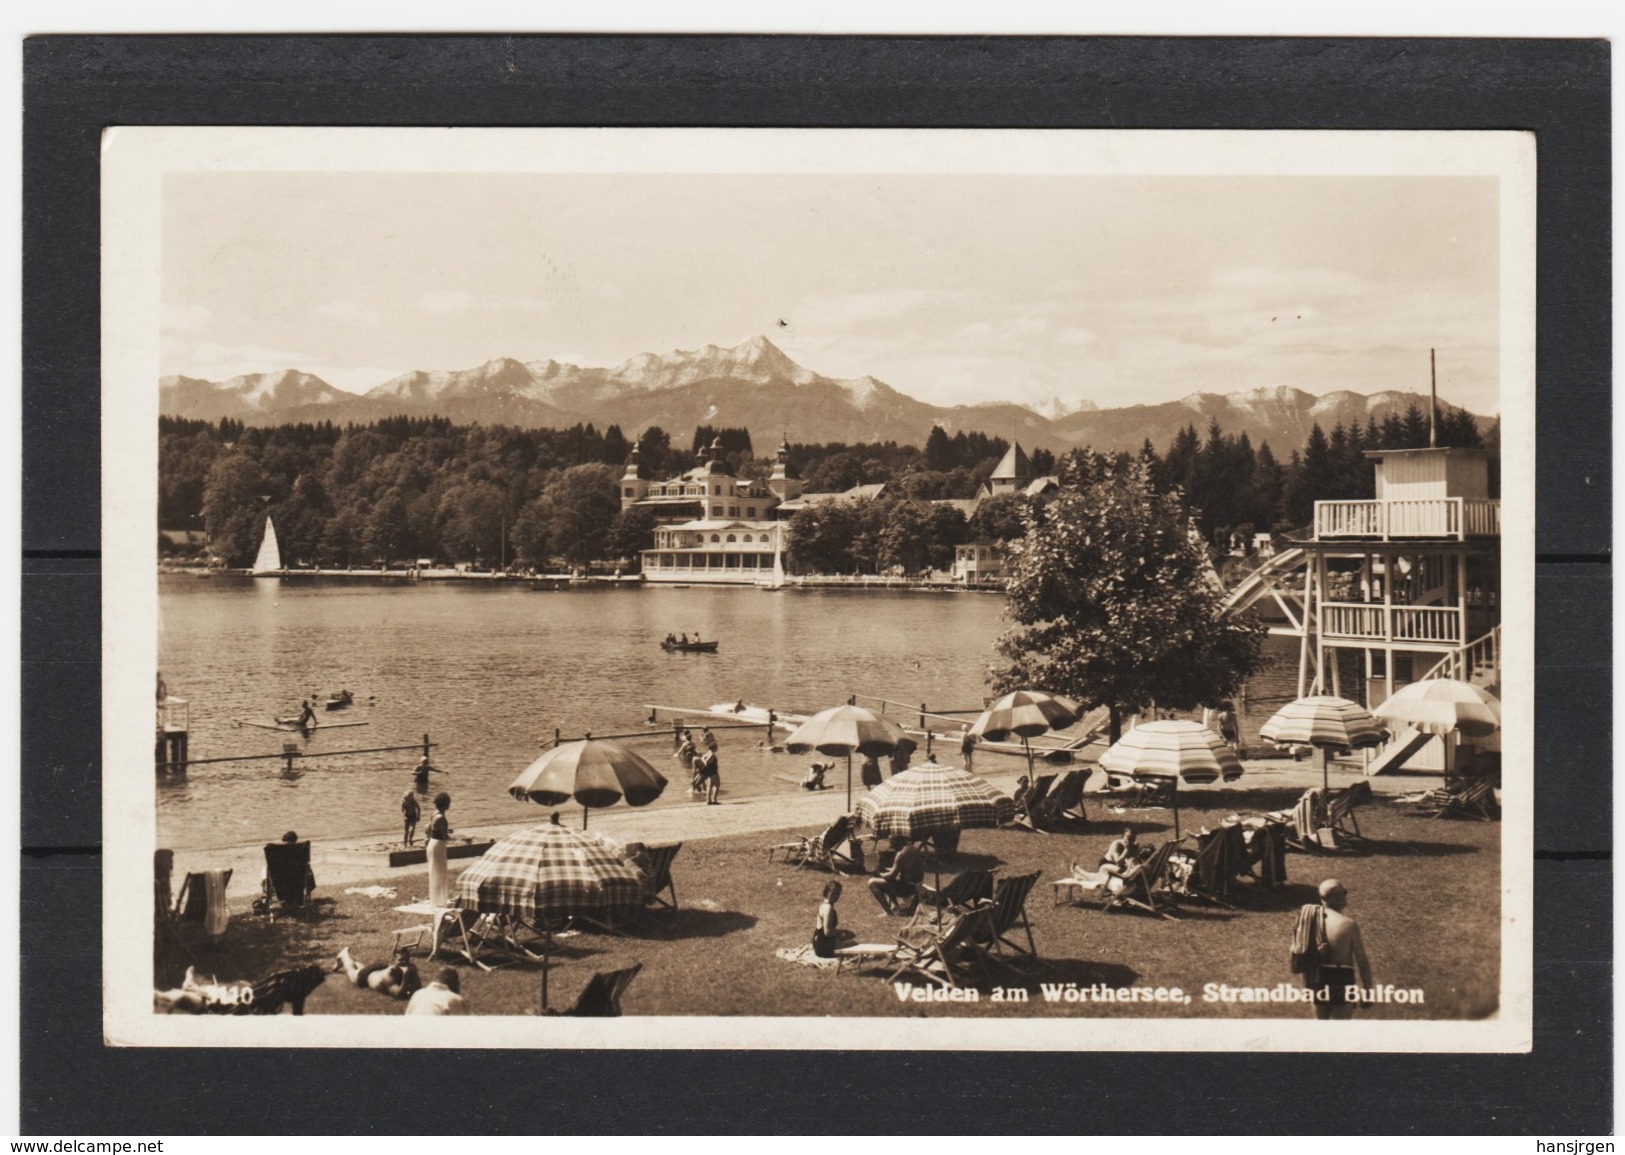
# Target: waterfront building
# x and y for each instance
(712, 527)
(1398, 589)
(981, 561)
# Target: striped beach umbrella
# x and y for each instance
(1179, 750)
(550, 872)
(1326, 723)
(1440, 705)
(845, 730)
(594, 773)
(1026, 714)
(933, 799)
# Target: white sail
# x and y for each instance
(269, 559)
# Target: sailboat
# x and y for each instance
(268, 562)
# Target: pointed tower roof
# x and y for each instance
(1014, 465)
(634, 464)
(781, 462)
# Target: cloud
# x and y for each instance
(458, 301)
(186, 318)
(1028, 326)
(1260, 279)
(1076, 336)
(349, 312)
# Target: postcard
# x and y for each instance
(924, 589)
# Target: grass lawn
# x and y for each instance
(1425, 892)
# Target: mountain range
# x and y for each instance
(755, 385)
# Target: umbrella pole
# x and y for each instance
(1027, 746)
(547, 961)
(849, 782)
(1326, 773)
(1176, 809)
(584, 818)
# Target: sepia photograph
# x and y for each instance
(939, 589)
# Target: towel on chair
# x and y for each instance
(214, 892)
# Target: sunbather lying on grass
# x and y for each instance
(398, 979)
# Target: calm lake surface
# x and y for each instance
(489, 672)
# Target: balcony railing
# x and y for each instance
(1430, 518)
(1428, 625)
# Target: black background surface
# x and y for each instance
(76, 86)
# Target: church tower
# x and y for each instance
(783, 482)
(634, 486)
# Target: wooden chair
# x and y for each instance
(1146, 791)
(963, 889)
(939, 954)
(194, 912)
(1208, 873)
(824, 850)
(1033, 802)
(288, 878)
(601, 997)
(1476, 801)
(1009, 907)
(660, 882)
(1065, 803)
(1340, 813)
(1142, 884)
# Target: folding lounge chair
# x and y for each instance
(1340, 813)
(1476, 801)
(287, 871)
(1219, 856)
(963, 889)
(660, 876)
(1146, 792)
(1008, 910)
(1142, 883)
(1065, 802)
(938, 954)
(1034, 802)
(601, 997)
(201, 914)
(824, 850)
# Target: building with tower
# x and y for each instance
(712, 527)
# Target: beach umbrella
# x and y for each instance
(595, 773)
(1174, 749)
(1440, 705)
(550, 872)
(1026, 714)
(845, 730)
(933, 799)
(1326, 723)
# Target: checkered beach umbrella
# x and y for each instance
(1179, 749)
(1440, 705)
(933, 799)
(551, 871)
(1324, 722)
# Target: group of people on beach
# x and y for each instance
(699, 758)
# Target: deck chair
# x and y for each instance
(963, 889)
(288, 879)
(1065, 802)
(601, 997)
(1143, 883)
(823, 850)
(939, 954)
(660, 876)
(1340, 811)
(201, 914)
(1009, 909)
(1146, 792)
(1219, 857)
(1475, 801)
(1034, 801)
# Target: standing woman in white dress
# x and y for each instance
(439, 832)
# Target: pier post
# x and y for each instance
(555, 736)
(922, 715)
(425, 747)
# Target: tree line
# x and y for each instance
(403, 488)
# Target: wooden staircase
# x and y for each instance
(1478, 662)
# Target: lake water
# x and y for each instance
(489, 672)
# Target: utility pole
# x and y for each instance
(1433, 399)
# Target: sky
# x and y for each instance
(953, 288)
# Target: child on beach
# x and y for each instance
(410, 813)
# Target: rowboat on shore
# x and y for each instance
(689, 647)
